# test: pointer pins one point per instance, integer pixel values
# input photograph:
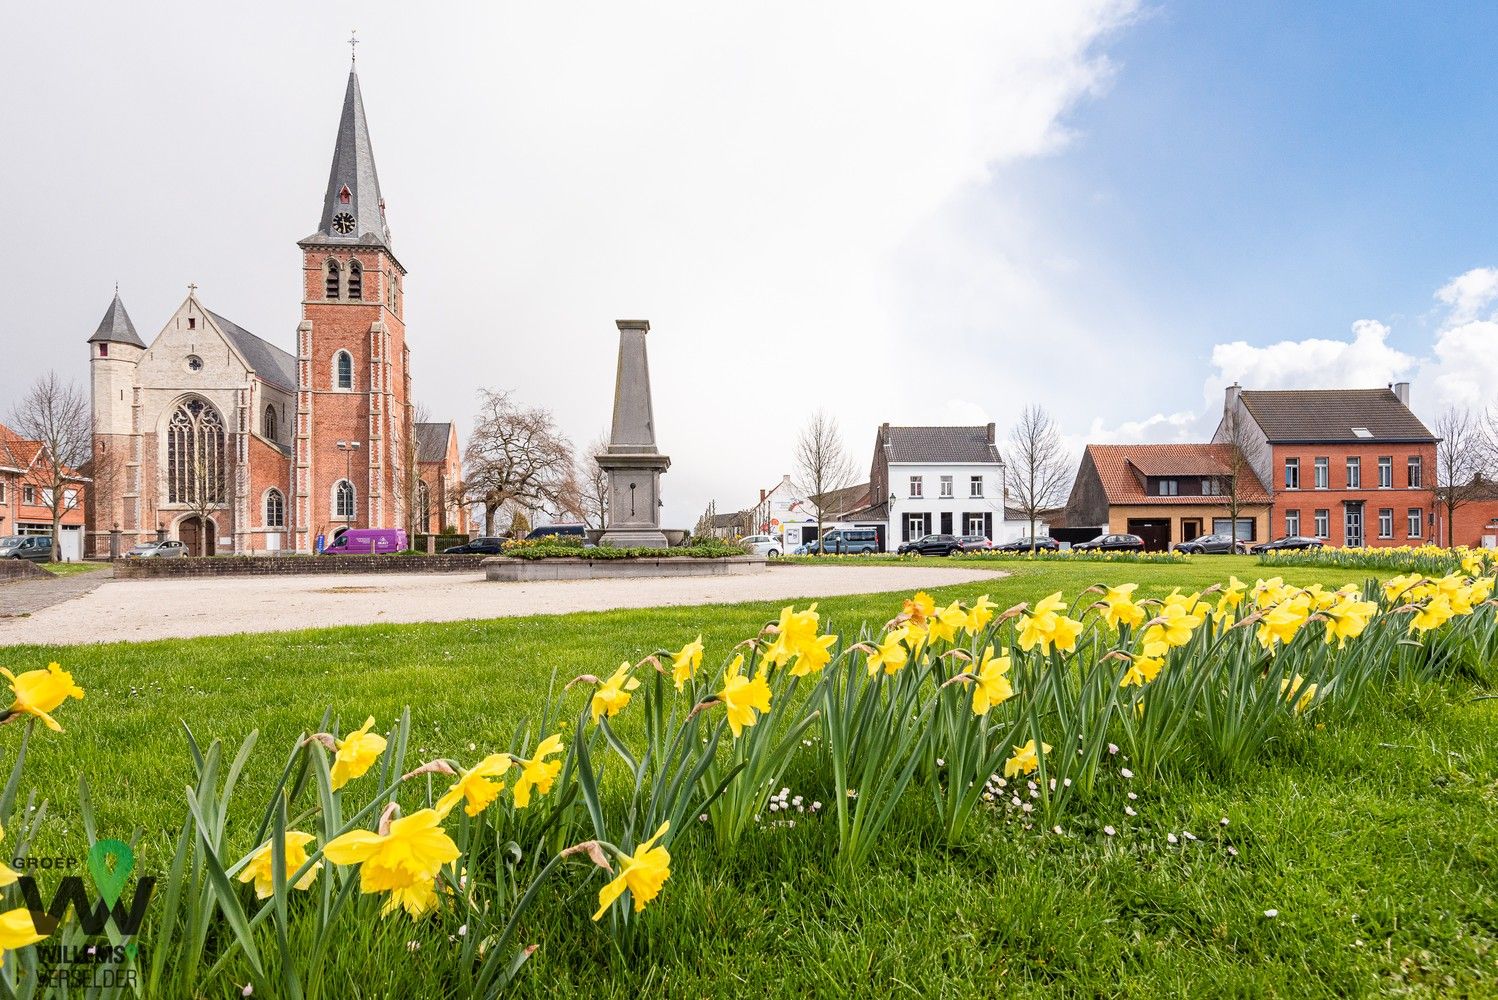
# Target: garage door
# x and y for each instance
(1156, 533)
(71, 544)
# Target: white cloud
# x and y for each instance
(1468, 293)
(1365, 360)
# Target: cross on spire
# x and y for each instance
(353, 40)
(192, 289)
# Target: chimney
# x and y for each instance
(1231, 401)
(761, 496)
(1402, 390)
(990, 433)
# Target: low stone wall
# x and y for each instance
(19, 569)
(158, 569)
(510, 569)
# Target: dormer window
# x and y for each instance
(344, 195)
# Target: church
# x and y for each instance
(231, 444)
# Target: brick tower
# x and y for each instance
(114, 351)
(353, 374)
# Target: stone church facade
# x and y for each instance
(223, 440)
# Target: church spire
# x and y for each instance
(353, 210)
(115, 327)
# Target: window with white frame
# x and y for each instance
(917, 486)
(1354, 473)
(1211, 487)
(975, 486)
(1323, 466)
(1292, 522)
(1417, 522)
(1385, 472)
(28, 495)
(1386, 522)
(1323, 523)
(1414, 472)
(972, 524)
(1292, 473)
(946, 486)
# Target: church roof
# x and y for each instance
(353, 183)
(115, 327)
(431, 441)
(268, 361)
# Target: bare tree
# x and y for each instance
(410, 475)
(592, 485)
(56, 416)
(1036, 470)
(1242, 457)
(515, 455)
(823, 465)
(108, 479)
(1462, 456)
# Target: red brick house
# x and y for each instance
(1166, 493)
(439, 487)
(26, 494)
(1476, 521)
(1352, 466)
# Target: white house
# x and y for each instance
(941, 480)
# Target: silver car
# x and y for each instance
(168, 549)
(761, 545)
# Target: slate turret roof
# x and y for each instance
(115, 327)
(353, 182)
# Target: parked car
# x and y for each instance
(1290, 542)
(932, 545)
(563, 530)
(1112, 543)
(847, 541)
(1220, 543)
(169, 549)
(761, 545)
(1043, 543)
(975, 543)
(368, 541)
(487, 545)
(37, 548)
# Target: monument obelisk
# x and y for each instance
(633, 463)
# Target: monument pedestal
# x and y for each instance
(633, 464)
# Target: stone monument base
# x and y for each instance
(635, 538)
(510, 569)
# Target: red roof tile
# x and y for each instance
(1121, 468)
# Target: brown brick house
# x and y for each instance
(1352, 466)
(1166, 493)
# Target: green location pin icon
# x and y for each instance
(110, 881)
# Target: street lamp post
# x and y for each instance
(348, 448)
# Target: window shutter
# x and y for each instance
(988, 525)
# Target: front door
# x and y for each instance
(1353, 526)
(197, 534)
(1191, 527)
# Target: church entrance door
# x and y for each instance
(198, 534)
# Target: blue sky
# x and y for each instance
(1266, 171)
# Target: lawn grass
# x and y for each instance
(1376, 842)
(72, 568)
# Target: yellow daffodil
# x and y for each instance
(403, 862)
(613, 694)
(643, 874)
(742, 697)
(814, 654)
(1281, 622)
(992, 687)
(890, 654)
(357, 752)
(794, 632)
(476, 788)
(1435, 613)
(259, 869)
(1025, 759)
(538, 773)
(920, 607)
(1142, 670)
(39, 692)
(980, 614)
(1299, 692)
(686, 662)
(1347, 618)
(1173, 625)
(947, 621)
(1119, 607)
(17, 930)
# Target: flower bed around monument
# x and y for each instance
(557, 547)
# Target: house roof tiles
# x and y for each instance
(1121, 470)
(1333, 415)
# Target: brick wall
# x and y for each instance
(1399, 498)
(19, 569)
(152, 569)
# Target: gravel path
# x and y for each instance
(138, 610)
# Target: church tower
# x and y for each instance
(114, 352)
(353, 376)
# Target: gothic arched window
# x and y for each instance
(195, 461)
(343, 500)
(343, 370)
(269, 426)
(423, 505)
(275, 509)
(355, 280)
(330, 286)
